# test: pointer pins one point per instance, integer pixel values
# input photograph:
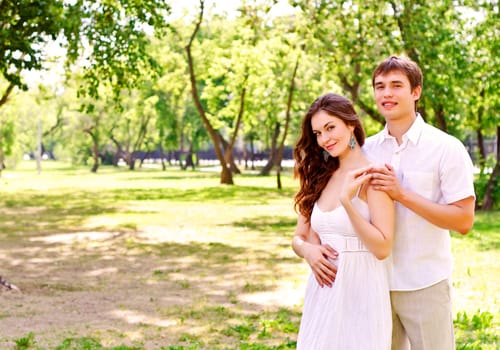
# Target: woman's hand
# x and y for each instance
(324, 270)
(353, 180)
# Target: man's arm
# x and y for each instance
(457, 216)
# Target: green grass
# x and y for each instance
(174, 260)
(476, 282)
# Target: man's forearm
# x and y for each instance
(457, 216)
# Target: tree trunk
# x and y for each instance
(228, 153)
(493, 181)
(226, 176)
(8, 90)
(287, 123)
(95, 153)
(372, 112)
(39, 147)
(120, 153)
(266, 170)
(141, 159)
(5, 96)
(252, 153)
(2, 158)
(131, 162)
(139, 141)
(354, 91)
(245, 155)
(228, 156)
(162, 158)
(482, 150)
(95, 148)
(480, 138)
(189, 158)
(441, 121)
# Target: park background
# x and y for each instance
(147, 188)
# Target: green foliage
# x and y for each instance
(240, 331)
(25, 342)
(194, 346)
(254, 346)
(83, 343)
(481, 182)
(124, 52)
(476, 332)
(6, 136)
(26, 26)
(115, 39)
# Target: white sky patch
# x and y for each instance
(181, 8)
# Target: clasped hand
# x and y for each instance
(384, 179)
(352, 182)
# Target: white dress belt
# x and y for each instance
(345, 243)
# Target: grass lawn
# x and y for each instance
(173, 260)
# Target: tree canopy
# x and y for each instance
(238, 81)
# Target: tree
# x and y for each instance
(483, 100)
(26, 26)
(287, 121)
(431, 35)
(347, 37)
(229, 78)
(6, 138)
(110, 40)
(108, 37)
(132, 127)
(226, 176)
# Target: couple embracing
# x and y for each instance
(374, 220)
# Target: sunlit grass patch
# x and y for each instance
(476, 282)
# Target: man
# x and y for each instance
(429, 175)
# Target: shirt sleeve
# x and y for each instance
(456, 172)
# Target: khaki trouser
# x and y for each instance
(423, 319)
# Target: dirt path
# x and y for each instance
(122, 288)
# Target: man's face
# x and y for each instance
(394, 97)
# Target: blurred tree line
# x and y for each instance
(142, 77)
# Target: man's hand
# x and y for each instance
(317, 256)
(385, 179)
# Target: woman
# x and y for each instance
(345, 222)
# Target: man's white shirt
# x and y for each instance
(436, 166)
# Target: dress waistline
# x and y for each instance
(346, 244)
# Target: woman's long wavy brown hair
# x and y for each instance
(310, 165)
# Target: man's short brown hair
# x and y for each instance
(401, 64)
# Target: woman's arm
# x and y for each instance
(378, 233)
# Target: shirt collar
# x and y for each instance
(413, 133)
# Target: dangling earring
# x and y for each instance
(352, 142)
(326, 155)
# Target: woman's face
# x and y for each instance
(332, 134)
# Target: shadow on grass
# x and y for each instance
(269, 225)
(33, 213)
(197, 285)
(236, 194)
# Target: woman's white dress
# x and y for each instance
(355, 313)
